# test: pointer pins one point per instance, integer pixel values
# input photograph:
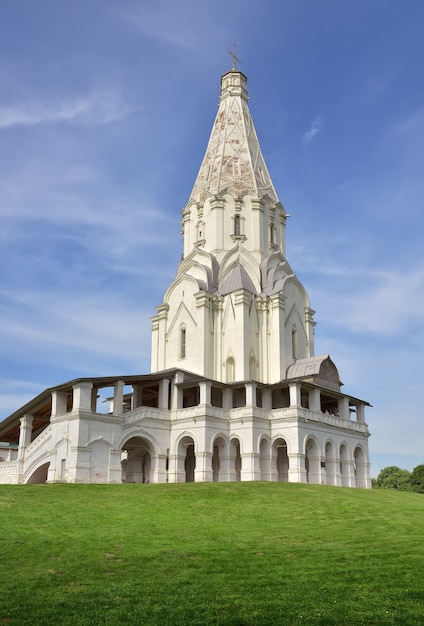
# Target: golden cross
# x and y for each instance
(234, 57)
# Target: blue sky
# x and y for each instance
(105, 112)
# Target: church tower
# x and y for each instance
(235, 310)
(235, 392)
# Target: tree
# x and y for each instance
(394, 477)
(417, 478)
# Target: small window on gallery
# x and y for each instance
(182, 342)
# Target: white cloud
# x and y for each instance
(93, 109)
(379, 302)
(49, 322)
(315, 128)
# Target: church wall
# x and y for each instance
(316, 452)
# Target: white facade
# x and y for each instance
(236, 392)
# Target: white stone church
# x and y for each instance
(235, 390)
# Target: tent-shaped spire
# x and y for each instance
(233, 158)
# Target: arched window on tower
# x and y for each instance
(182, 342)
(252, 367)
(231, 367)
(237, 230)
(200, 231)
(272, 235)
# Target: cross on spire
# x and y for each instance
(233, 56)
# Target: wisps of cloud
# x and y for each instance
(93, 109)
(371, 301)
(314, 129)
(161, 26)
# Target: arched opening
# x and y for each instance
(190, 463)
(344, 465)
(312, 462)
(185, 460)
(218, 460)
(237, 230)
(281, 460)
(360, 461)
(137, 461)
(330, 465)
(264, 460)
(235, 460)
(39, 476)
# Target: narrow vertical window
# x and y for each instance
(237, 224)
(295, 347)
(261, 175)
(182, 342)
(230, 370)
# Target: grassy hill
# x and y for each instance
(227, 553)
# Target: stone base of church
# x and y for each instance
(198, 431)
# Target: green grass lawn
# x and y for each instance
(227, 553)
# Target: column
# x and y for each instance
(297, 471)
(205, 387)
(115, 468)
(118, 398)
(250, 469)
(203, 472)
(25, 432)
(250, 394)
(262, 308)
(360, 414)
(176, 395)
(81, 399)
(163, 393)
(137, 396)
(59, 403)
(267, 399)
(314, 400)
(227, 399)
(295, 394)
(158, 471)
(343, 405)
(218, 303)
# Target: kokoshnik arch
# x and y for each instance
(235, 390)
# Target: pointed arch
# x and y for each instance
(230, 369)
(253, 364)
(239, 256)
